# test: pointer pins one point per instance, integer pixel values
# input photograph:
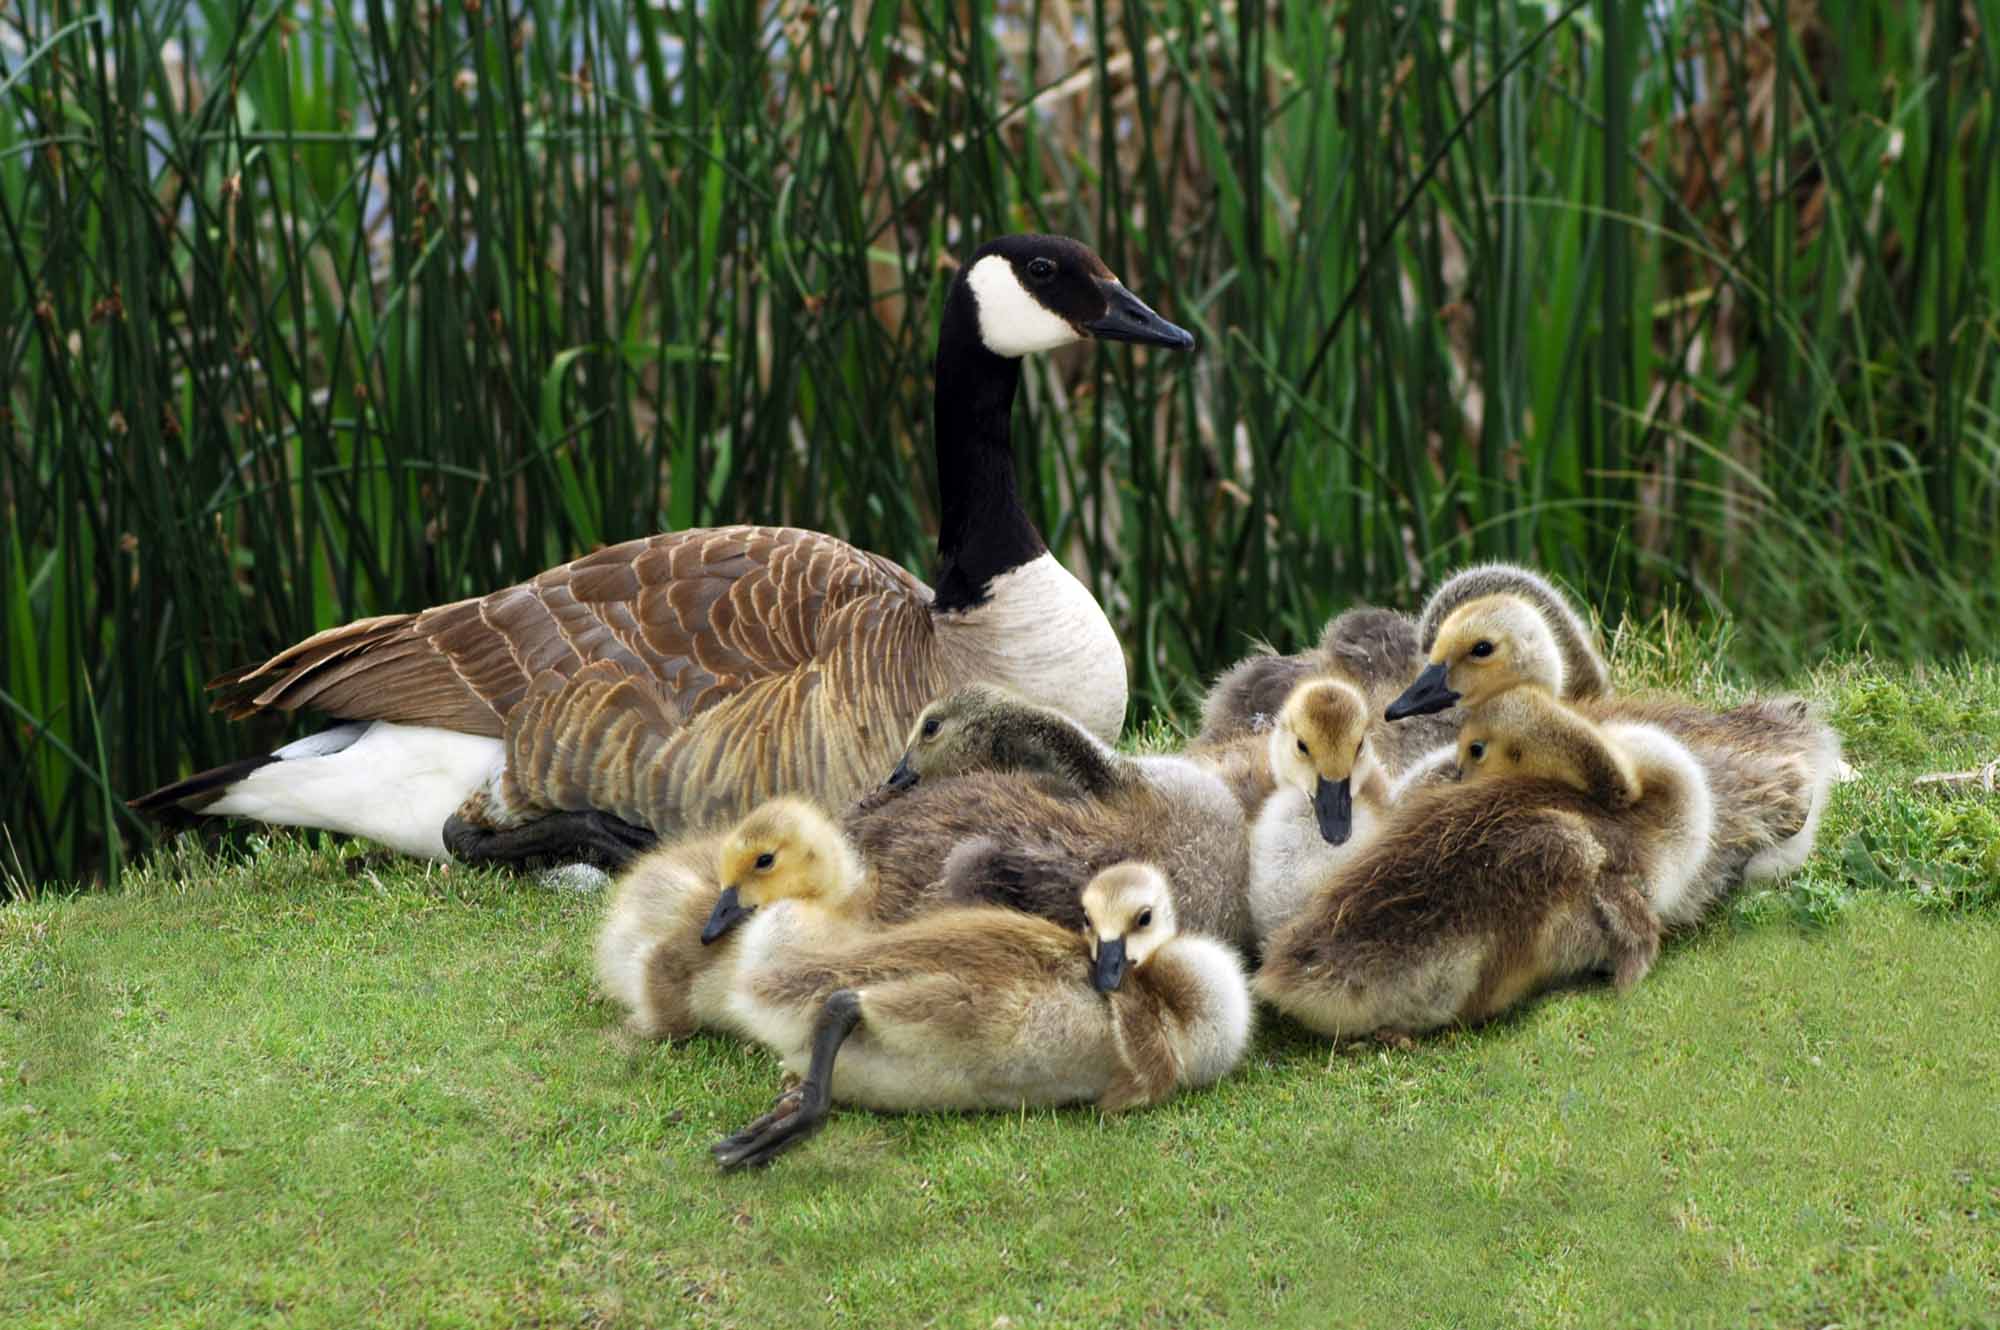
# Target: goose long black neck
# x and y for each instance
(982, 531)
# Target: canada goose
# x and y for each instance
(1381, 651)
(1330, 798)
(667, 949)
(678, 680)
(1062, 806)
(1770, 763)
(982, 1008)
(1542, 866)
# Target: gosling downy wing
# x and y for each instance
(1450, 880)
(1245, 697)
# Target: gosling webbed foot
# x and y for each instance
(588, 837)
(795, 1117)
(802, 1110)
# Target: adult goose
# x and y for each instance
(678, 680)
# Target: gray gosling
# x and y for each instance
(1002, 802)
(1771, 764)
(1542, 865)
(1331, 796)
(982, 1008)
(667, 951)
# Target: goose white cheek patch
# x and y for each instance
(1012, 322)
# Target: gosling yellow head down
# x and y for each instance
(978, 1007)
(1128, 912)
(1330, 796)
(667, 951)
(1319, 747)
(1525, 733)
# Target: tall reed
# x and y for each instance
(314, 311)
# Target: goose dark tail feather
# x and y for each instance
(198, 791)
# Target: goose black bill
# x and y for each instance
(1127, 318)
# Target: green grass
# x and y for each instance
(302, 1087)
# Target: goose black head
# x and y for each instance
(1037, 292)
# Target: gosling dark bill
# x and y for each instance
(1110, 965)
(729, 911)
(903, 777)
(1428, 694)
(1333, 804)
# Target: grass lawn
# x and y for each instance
(299, 1088)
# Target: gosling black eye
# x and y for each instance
(1476, 751)
(1482, 649)
(1145, 918)
(1041, 270)
(1304, 749)
(931, 728)
(766, 859)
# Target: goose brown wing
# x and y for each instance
(699, 615)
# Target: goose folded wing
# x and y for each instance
(698, 615)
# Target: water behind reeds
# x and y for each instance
(310, 312)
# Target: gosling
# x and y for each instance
(982, 1008)
(1329, 802)
(1771, 763)
(664, 952)
(1543, 864)
(1001, 802)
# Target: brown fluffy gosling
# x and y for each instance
(1330, 797)
(667, 951)
(982, 1008)
(1542, 865)
(1001, 802)
(1771, 764)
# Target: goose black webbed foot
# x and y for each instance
(587, 837)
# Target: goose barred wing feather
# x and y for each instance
(674, 681)
(700, 615)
